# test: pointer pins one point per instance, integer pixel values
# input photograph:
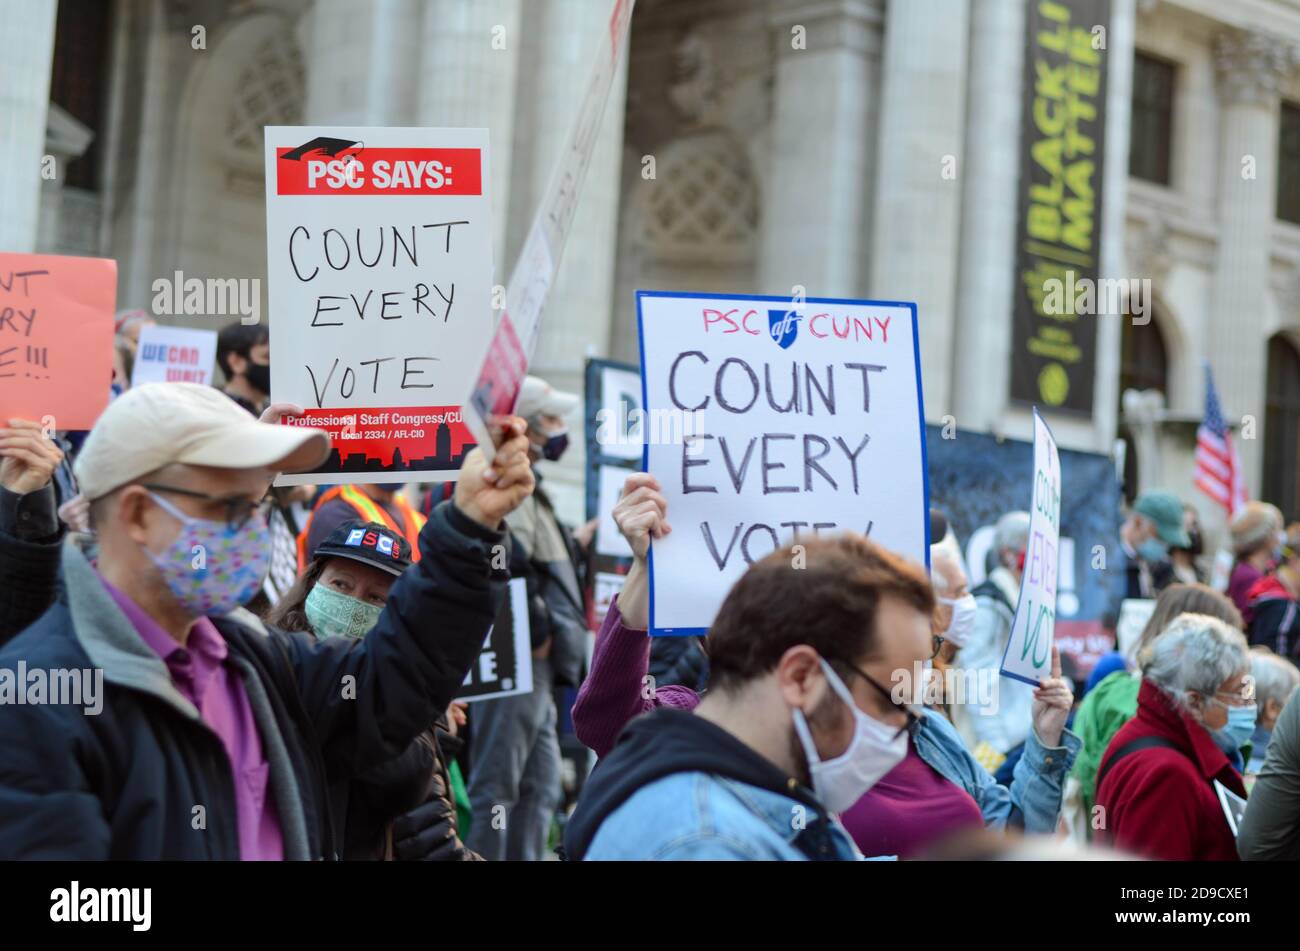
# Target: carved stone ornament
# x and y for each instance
(1252, 66)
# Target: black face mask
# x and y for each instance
(258, 376)
(1195, 546)
(554, 446)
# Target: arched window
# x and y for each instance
(1282, 428)
(1144, 360)
(1143, 365)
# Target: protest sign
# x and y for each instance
(56, 337)
(618, 414)
(612, 397)
(504, 667)
(805, 418)
(1134, 613)
(501, 372)
(976, 478)
(174, 355)
(380, 264)
(609, 540)
(1028, 656)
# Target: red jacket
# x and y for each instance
(1159, 802)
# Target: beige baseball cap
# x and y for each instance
(539, 398)
(159, 424)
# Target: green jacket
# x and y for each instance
(1106, 708)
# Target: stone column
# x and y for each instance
(560, 39)
(1114, 195)
(360, 63)
(467, 79)
(986, 269)
(817, 188)
(919, 176)
(1251, 68)
(24, 100)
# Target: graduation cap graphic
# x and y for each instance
(321, 145)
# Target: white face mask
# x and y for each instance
(962, 624)
(875, 749)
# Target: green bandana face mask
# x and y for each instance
(334, 614)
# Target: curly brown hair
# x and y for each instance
(823, 593)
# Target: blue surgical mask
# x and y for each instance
(1153, 550)
(1239, 729)
(335, 614)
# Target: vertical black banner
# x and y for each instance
(1054, 345)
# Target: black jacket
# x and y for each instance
(145, 778)
(403, 810)
(679, 661)
(29, 558)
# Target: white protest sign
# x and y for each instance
(1134, 613)
(504, 667)
(619, 419)
(496, 385)
(607, 585)
(379, 257)
(1028, 655)
(174, 355)
(806, 418)
(609, 540)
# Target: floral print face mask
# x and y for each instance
(212, 568)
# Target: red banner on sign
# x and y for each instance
(390, 439)
(381, 171)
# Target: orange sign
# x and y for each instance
(56, 337)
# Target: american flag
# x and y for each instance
(1218, 470)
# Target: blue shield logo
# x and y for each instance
(784, 326)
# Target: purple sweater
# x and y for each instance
(614, 692)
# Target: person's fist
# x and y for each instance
(488, 491)
(278, 411)
(75, 513)
(641, 512)
(27, 458)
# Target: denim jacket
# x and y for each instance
(1034, 798)
(698, 816)
(695, 815)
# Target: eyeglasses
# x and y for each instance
(1237, 699)
(239, 509)
(912, 719)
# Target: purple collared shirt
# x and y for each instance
(198, 673)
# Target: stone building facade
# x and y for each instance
(732, 157)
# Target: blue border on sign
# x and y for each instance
(645, 405)
(1020, 595)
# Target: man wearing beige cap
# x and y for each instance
(515, 754)
(212, 739)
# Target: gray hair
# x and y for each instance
(945, 550)
(1275, 677)
(1197, 653)
(1012, 531)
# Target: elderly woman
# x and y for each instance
(1271, 827)
(1275, 679)
(1114, 700)
(1257, 537)
(1156, 784)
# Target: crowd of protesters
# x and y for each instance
(280, 667)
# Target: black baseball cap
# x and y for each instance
(369, 543)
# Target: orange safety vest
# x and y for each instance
(368, 510)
